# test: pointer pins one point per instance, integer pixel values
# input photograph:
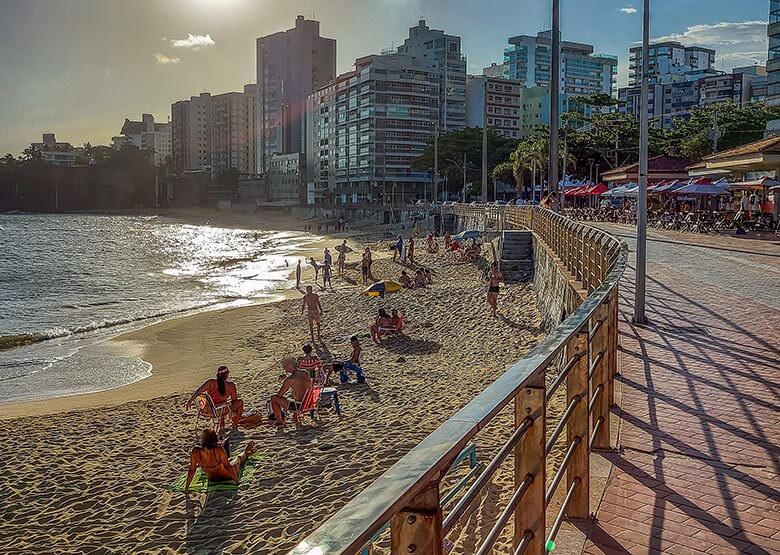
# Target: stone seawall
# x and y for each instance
(556, 293)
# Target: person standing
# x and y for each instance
(311, 303)
(326, 276)
(342, 260)
(410, 250)
(298, 275)
(746, 205)
(399, 249)
(316, 269)
(495, 278)
(326, 257)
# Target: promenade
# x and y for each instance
(697, 464)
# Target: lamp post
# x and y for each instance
(484, 145)
(555, 85)
(435, 157)
(641, 210)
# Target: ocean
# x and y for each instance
(68, 281)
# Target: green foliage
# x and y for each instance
(453, 144)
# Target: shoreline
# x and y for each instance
(169, 376)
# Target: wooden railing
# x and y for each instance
(579, 354)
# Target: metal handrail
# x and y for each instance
(354, 525)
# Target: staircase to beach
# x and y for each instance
(517, 262)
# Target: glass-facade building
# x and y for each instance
(773, 59)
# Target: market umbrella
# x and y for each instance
(466, 235)
(700, 189)
(595, 190)
(381, 288)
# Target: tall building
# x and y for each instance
(366, 128)
(285, 179)
(290, 65)
(215, 133)
(190, 137)
(146, 135)
(534, 109)
(583, 73)
(502, 107)
(773, 59)
(439, 53)
(232, 136)
(669, 62)
(56, 153)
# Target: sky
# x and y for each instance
(78, 68)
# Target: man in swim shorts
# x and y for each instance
(298, 382)
(311, 303)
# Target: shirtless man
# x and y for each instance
(298, 275)
(298, 382)
(220, 389)
(353, 364)
(311, 302)
(495, 277)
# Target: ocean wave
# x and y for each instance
(21, 339)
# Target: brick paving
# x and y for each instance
(697, 468)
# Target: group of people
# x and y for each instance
(423, 277)
(387, 325)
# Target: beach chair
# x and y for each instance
(314, 368)
(309, 405)
(208, 410)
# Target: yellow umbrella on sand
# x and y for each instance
(380, 288)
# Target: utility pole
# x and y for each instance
(555, 85)
(641, 210)
(435, 156)
(715, 132)
(464, 178)
(484, 146)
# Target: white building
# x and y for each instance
(146, 135)
(56, 154)
(437, 52)
(503, 104)
(669, 62)
(584, 73)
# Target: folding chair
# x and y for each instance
(208, 410)
(308, 405)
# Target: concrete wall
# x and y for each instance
(556, 295)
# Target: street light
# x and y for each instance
(641, 210)
(555, 84)
(463, 168)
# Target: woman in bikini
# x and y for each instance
(495, 277)
(382, 325)
(213, 459)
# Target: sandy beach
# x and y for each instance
(89, 474)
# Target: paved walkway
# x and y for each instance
(698, 465)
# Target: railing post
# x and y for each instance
(417, 528)
(612, 341)
(577, 385)
(530, 459)
(599, 354)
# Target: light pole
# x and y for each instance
(641, 210)
(484, 145)
(435, 156)
(555, 85)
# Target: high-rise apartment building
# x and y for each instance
(501, 110)
(215, 133)
(437, 52)
(773, 59)
(583, 72)
(366, 128)
(146, 135)
(669, 62)
(290, 65)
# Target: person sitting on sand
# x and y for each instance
(298, 383)
(382, 325)
(419, 278)
(398, 321)
(213, 459)
(431, 244)
(311, 301)
(405, 280)
(220, 389)
(428, 276)
(447, 241)
(312, 364)
(352, 365)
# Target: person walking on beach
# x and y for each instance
(495, 278)
(399, 249)
(298, 275)
(220, 389)
(311, 302)
(316, 269)
(342, 260)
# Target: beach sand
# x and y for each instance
(94, 480)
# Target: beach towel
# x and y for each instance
(201, 484)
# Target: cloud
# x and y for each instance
(161, 58)
(720, 34)
(196, 42)
(628, 9)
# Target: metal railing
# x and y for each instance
(583, 346)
